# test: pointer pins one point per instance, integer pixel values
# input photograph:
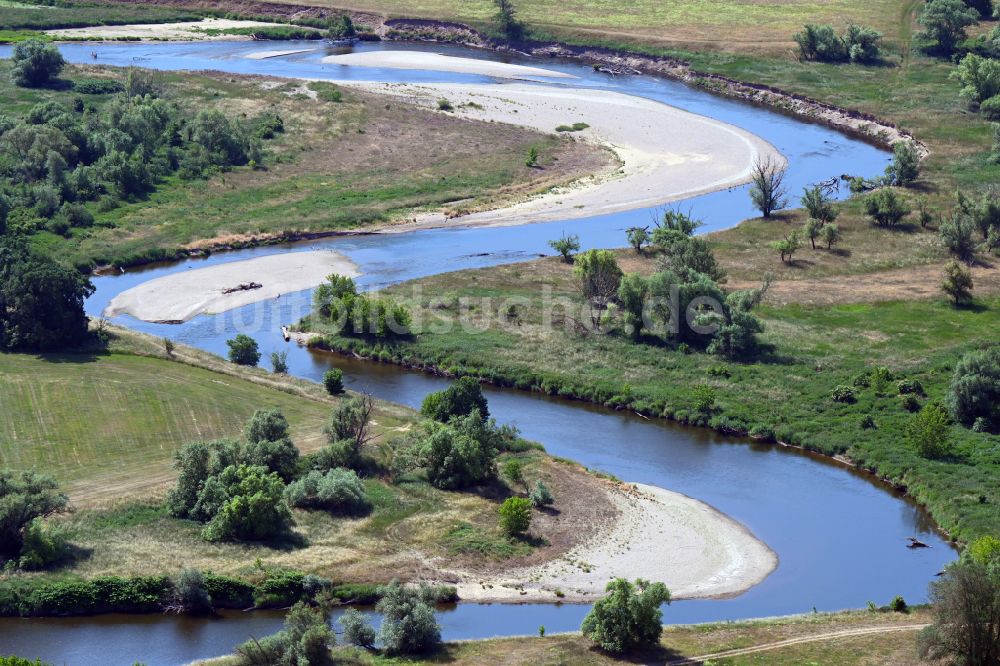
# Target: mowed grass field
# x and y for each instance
(100, 422)
(736, 25)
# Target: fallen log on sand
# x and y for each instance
(243, 286)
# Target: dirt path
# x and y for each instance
(833, 635)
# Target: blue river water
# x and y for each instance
(839, 535)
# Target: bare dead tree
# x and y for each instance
(768, 191)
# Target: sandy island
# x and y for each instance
(185, 294)
(661, 536)
(441, 63)
(666, 154)
(183, 31)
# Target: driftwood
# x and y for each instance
(243, 286)
(916, 543)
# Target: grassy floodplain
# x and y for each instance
(346, 159)
(825, 638)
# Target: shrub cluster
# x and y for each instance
(338, 304)
(857, 44)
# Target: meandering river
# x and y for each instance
(839, 535)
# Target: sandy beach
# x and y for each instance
(186, 294)
(185, 31)
(667, 154)
(441, 63)
(661, 536)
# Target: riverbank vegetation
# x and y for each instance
(259, 159)
(345, 488)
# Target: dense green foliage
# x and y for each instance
(566, 246)
(337, 303)
(975, 388)
(966, 607)
(41, 301)
(463, 397)
(945, 21)
(305, 640)
(333, 381)
(628, 618)
(462, 453)
(857, 44)
(408, 622)
(25, 497)
(243, 350)
(35, 63)
(515, 516)
(338, 490)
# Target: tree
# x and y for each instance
(190, 594)
(34, 63)
(268, 425)
(566, 246)
(456, 458)
(813, 229)
(821, 43)
(818, 204)
(532, 159)
(830, 235)
(632, 293)
(463, 397)
(768, 189)
(350, 426)
(41, 302)
(506, 20)
(599, 277)
(357, 630)
(863, 43)
(243, 350)
(637, 237)
(927, 431)
(254, 507)
(333, 381)
(685, 256)
(885, 207)
(788, 246)
(966, 606)
(905, 165)
(957, 283)
(24, 496)
(628, 618)
(980, 78)
(515, 516)
(305, 640)
(408, 623)
(279, 362)
(341, 27)
(337, 294)
(945, 21)
(975, 388)
(958, 236)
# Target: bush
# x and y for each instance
(34, 63)
(243, 350)
(341, 27)
(974, 392)
(338, 491)
(460, 399)
(515, 516)
(927, 431)
(966, 606)
(885, 208)
(333, 381)
(628, 618)
(305, 639)
(990, 108)
(253, 508)
(268, 425)
(905, 165)
(24, 496)
(460, 455)
(898, 605)
(42, 546)
(821, 43)
(191, 595)
(98, 86)
(357, 629)
(910, 403)
(980, 78)
(844, 394)
(408, 623)
(279, 362)
(910, 386)
(227, 592)
(540, 495)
